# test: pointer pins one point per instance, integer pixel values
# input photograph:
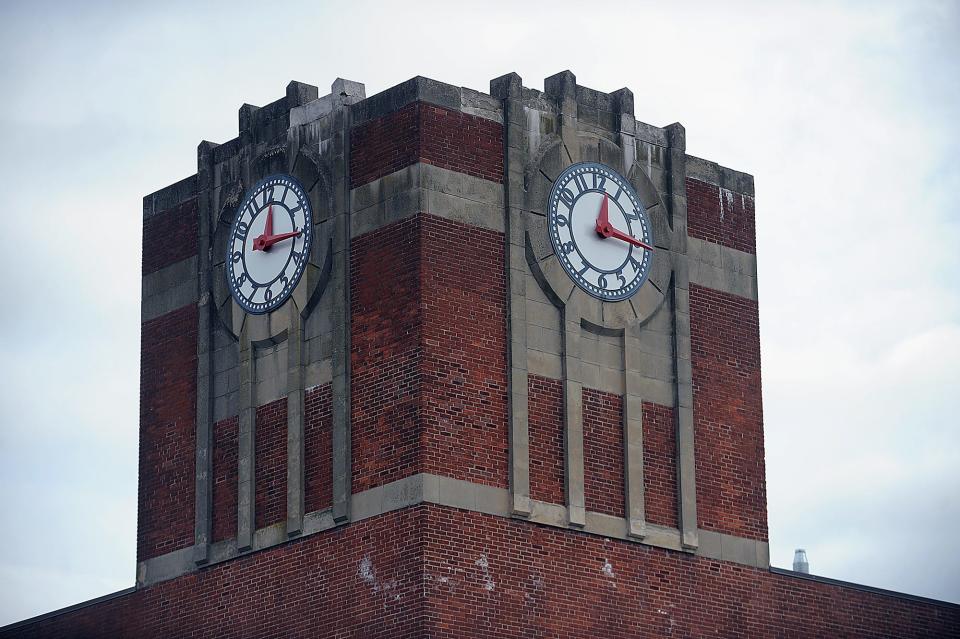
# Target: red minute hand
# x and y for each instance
(605, 229)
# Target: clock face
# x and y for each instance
(600, 231)
(269, 244)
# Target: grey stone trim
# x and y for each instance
(722, 268)
(421, 89)
(633, 438)
(339, 285)
(203, 481)
(168, 289)
(738, 550)
(246, 476)
(429, 189)
(713, 173)
(341, 92)
(686, 459)
(573, 421)
(295, 416)
(425, 488)
(169, 196)
(509, 90)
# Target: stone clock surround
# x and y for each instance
(473, 200)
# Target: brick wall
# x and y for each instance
(168, 389)
(603, 477)
(362, 581)
(224, 519)
(660, 465)
(721, 216)
(170, 236)
(271, 463)
(496, 577)
(461, 142)
(317, 451)
(431, 571)
(385, 337)
(727, 413)
(545, 433)
(464, 363)
(422, 132)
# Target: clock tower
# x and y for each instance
(445, 363)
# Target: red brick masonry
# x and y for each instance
(225, 450)
(431, 571)
(545, 433)
(727, 413)
(721, 216)
(422, 132)
(429, 353)
(168, 391)
(603, 452)
(170, 236)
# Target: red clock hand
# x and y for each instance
(605, 229)
(620, 235)
(603, 219)
(268, 227)
(266, 242)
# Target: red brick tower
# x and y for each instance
(436, 431)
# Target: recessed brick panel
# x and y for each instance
(422, 132)
(385, 355)
(168, 408)
(721, 216)
(603, 452)
(170, 236)
(545, 433)
(318, 455)
(727, 413)
(464, 365)
(461, 142)
(225, 433)
(660, 465)
(270, 437)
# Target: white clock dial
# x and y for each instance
(269, 244)
(600, 231)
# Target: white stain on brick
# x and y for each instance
(368, 573)
(608, 569)
(488, 583)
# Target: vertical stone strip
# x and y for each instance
(246, 484)
(340, 285)
(508, 89)
(633, 435)
(562, 87)
(203, 509)
(573, 419)
(295, 414)
(686, 461)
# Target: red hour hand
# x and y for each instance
(263, 243)
(605, 229)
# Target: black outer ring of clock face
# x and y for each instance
(640, 259)
(280, 180)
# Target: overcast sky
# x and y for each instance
(846, 113)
